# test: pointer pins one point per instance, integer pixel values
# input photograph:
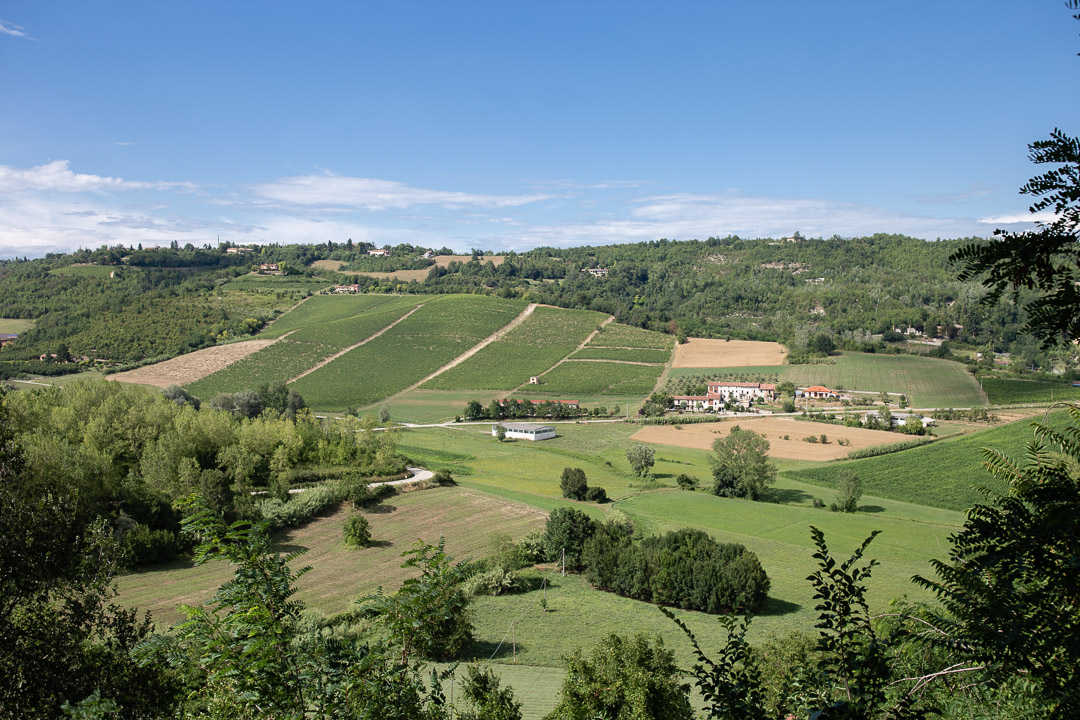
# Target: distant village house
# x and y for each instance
(378, 252)
(8, 338)
(719, 394)
(596, 272)
(238, 250)
(347, 289)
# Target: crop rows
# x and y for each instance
(626, 354)
(291, 356)
(547, 336)
(597, 378)
(1003, 391)
(957, 468)
(618, 335)
(327, 308)
(441, 330)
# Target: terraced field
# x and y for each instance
(441, 330)
(545, 338)
(304, 348)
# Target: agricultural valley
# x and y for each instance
(314, 377)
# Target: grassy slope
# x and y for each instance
(303, 349)
(441, 330)
(573, 379)
(619, 335)
(15, 325)
(547, 336)
(325, 308)
(943, 474)
(928, 382)
(1004, 391)
(339, 574)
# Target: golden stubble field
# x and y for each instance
(191, 367)
(707, 353)
(701, 437)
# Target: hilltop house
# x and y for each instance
(378, 252)
(525, 431)
(596, 272)
(238, 250)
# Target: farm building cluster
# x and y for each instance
(721, 394)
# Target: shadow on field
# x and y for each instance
(776, 606)
(787, 496)
(379, 544)
(871, 509)
(287, 548)
(380, 509)
(484, 649)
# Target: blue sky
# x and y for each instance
(510, 125)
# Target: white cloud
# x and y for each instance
(376, 195)
(57, 176)
(1013, 218)
(8, 28)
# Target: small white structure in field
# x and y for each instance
(534, 380)
(525, 431)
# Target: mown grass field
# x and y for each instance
(572, 379)
(943, 474)
(928, 382)
(15, 325)
(547, 336)
(1006, 391)
(619, 335)
(303, 349)
(624, 354)
(441, 330)
(340, 575)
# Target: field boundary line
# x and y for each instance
(497, 335)
(617, 362)
(335, 356)
(610, 319)
(661, 382)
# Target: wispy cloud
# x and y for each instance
(1013, 218)
(9, 28)
(123, 143)
(58, 176)
(376, 195)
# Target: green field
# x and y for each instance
(506, 487)
(91, 271)
(15, 325)
(943, 474)
(619, 335)
(303, 349)
(573, 379)
(928, 382)
(274, 283)
(327, 308)
(625, 354)
(1006, 391)
(546, 337)
(441, 330)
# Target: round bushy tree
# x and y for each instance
(573, 483)
(567, 529)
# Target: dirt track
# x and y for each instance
(706, 353)
(701, 437)
(193, 366)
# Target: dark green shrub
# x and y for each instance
(357, 531)
(686, 482)
(443, 477)
(573, 483)
(596, 495)
(567, 529)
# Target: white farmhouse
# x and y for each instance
(525, 431)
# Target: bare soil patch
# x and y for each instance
(402, 275)
(332, 265)
(708, 353)
(774, 429)
(193, 366)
